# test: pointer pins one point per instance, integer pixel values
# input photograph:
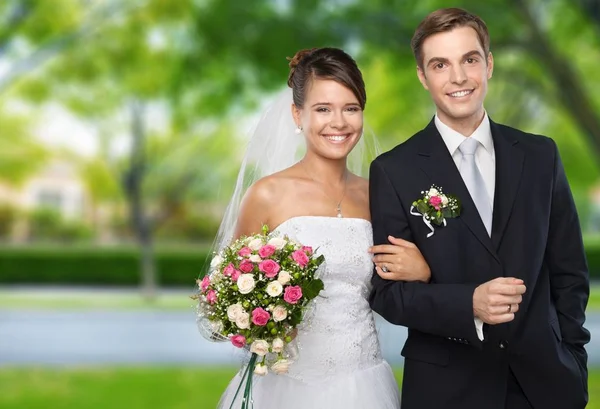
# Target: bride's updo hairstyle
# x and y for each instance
(326, 64)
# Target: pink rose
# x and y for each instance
(435, 201)
(204, 283)
(266, 251)
(246, 266)
(308, 250)
(238, 340)
(300, 257)
(211, 297)
(235, 275)
(245, 252)
(292, 294)
(269, 267)
(260, 317)
(228, 271)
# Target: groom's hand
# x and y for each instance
(497, 301)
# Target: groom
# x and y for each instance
(500, 325)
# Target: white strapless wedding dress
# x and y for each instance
(339, 363)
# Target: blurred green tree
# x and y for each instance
(173, 81)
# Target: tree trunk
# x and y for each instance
(134, 179)
(570, 91)
(591, 9)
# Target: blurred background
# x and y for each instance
(122, 125)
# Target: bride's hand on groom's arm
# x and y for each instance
(400, 261)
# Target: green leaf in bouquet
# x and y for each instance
(316, 262)
(295, 317)
(312, 288)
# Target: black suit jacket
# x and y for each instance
(535, 236)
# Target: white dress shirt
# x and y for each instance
(485, 159)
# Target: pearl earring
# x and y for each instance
(298, 130)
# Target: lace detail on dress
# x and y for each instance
(339, 337)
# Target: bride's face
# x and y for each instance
(331, 119)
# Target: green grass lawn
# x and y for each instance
(594, 302)
(93, 300)
(112, 388)
(133, 300)
(140, 388)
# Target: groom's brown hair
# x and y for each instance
(448, 19)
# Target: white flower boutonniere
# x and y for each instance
(435, 207)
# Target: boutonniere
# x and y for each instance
(435, 207)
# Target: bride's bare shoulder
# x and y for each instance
(360, 184)
(264, 201)
(270, 187)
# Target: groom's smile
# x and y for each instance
(461, 94)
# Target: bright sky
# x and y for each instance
(59, 128)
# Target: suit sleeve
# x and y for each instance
(438, 309)
(565, 255)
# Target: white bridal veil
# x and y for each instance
(274, 146)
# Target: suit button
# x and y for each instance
(503, 344)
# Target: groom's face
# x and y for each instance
(455, 71)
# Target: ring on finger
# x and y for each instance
(384, 269)
(509, 309)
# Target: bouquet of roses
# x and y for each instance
(255, 295)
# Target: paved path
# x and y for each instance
(37, 337)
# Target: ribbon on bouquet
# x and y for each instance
(414, 212)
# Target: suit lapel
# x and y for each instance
(509, 166)
(437, 163)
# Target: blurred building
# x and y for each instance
(56, 187)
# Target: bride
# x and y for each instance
(321, 203)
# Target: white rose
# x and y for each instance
(274, 288)
(444, 200)
(281, 366)
(279, 313)
(255, 244)
(259, 347)
(255, 258)
(234, 310)
(261, 369)
(277, 345)
(277, 242)
(216, 261)
(243, 320)
(284, 277)
(245, 283)
(433, 192)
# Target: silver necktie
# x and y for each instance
(474, 181)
